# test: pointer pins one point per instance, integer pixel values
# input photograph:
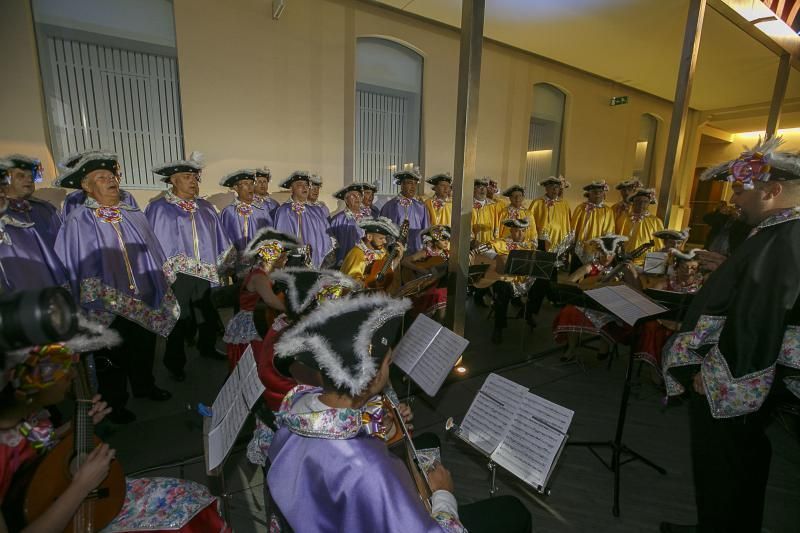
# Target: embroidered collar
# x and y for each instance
(589, 206)
(370, 254)
(355, 216)
(329, 423)
(93, 204)
(19, 204)
(639, 217)
(298, 207)
(403, 201)
(514, 211)
(787, 215)
(436, 252)
(549, 202)
(438, 203)
(245, 209)
(190, 206)
(514, 245)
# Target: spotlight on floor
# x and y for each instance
(461, 370)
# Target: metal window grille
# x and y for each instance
(544, 136)
(382, 122)
(102, 97)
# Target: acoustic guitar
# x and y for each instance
(55, 472)
(380, 273)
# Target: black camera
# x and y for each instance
(36, 317)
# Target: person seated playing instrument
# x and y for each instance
(573, 321)
(372, 248)
(435, 252)
(683, 277)
(266, 252)
(41, 376)
(330, 466)
(510, 287)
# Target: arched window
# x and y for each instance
(545, 135)
(645, 144)
(388, 105)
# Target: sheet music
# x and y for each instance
(222, 438)
(553, 415)
(625, 303)
(491, 412)
(655, 263)
(225, 399)
(529, 449)
(427, 353)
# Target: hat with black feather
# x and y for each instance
(194, 165)
(89, 162)
(347, 341)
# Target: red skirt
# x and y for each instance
(650, 341)
(572, 320)
(236, 351)
(429, 302)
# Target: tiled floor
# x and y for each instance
(581, 489)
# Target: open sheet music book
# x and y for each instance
(655, 263)
(625, 303)
(427, 353)
(516, 429)
(231, 407)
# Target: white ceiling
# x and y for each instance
(633, 42)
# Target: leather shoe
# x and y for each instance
(120, 415)
(667, 527)
(155, 394)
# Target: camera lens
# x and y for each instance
(37, 317)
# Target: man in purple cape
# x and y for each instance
(26, 261)
(330, 467)
(244, 217)
(313, 195)
(302, 220)
(368, 197)
(198, 253)
(116, 267)
(76, 198)
(23, 175)
(405, 206)
(263, 177)
(344, 224)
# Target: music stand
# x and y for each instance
(531, 263)
(476, 272)
(617, 446)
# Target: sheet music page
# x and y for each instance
(528, 449)
(551, 414)
(222, 438)
(225, 399)
(252, 388)
(655, 263)
(414, 343)
(625, 303)
(491, 412)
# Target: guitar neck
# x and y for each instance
(82, 425)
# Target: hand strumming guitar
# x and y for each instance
(439, 478)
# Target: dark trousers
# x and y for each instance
(501, 513)
(730, 462)
(503, 294)
(197, 313)
(130, 361)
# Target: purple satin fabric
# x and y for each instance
(374, 211)
(314, 229)
(233, 223)
(417, 217)
(44, 216)
(173, 228)
(352, 485)
(28, 262)
(346, 232)
(89, 248)
(271, 204)
(76, 198)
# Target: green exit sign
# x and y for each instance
(619, 100)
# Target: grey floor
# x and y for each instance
(580, 500)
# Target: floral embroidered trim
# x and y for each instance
(244, 209)
(258, 447)
(589, 206)
(298, 208)
(369, 254)
(635, 218)
(93, 204)
(241, 329)
(190, 206)
(20, 205)
(354, 216)
(183, 264)
(790, 348)
(448, 522)
(513, 245)
(403, 201)
(784, 216)
(160, 320)
(728, 396)
(680, 350)
(436, 252)
(111, 215)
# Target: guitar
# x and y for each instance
(381, 273)
(624, 259)
(55, 472)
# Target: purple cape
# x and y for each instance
(417, 217)
(344, 229)
(98, 269)
(172, 226)
(26, 261)
(42, 214)
(76, 198)
(270, 203)
(309, 227)
(233, 221)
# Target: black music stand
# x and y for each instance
(532, 263)
(617, 446)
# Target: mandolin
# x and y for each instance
(54, 473)
(623, 258)
(380, 274)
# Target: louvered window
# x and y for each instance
(545, 132)
(125, 101)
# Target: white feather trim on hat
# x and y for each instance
(325, 278)
(287, 241)
(249, 172)
(608, 243)
(302, 337)
(683, 256)
(379, 222)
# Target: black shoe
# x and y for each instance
(178, 375)
(120, 415)
(155, 394)
(667, 527)
(497, 336)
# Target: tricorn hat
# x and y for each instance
(72, 178)
(521, 223)
(399, 177)
(306, 287)
(381, 225)
(236, 176)
(27, 163)
(297, 175)
(609, 242)
(514, 188)
(437, 178)
(341, 193)
(194, 164)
